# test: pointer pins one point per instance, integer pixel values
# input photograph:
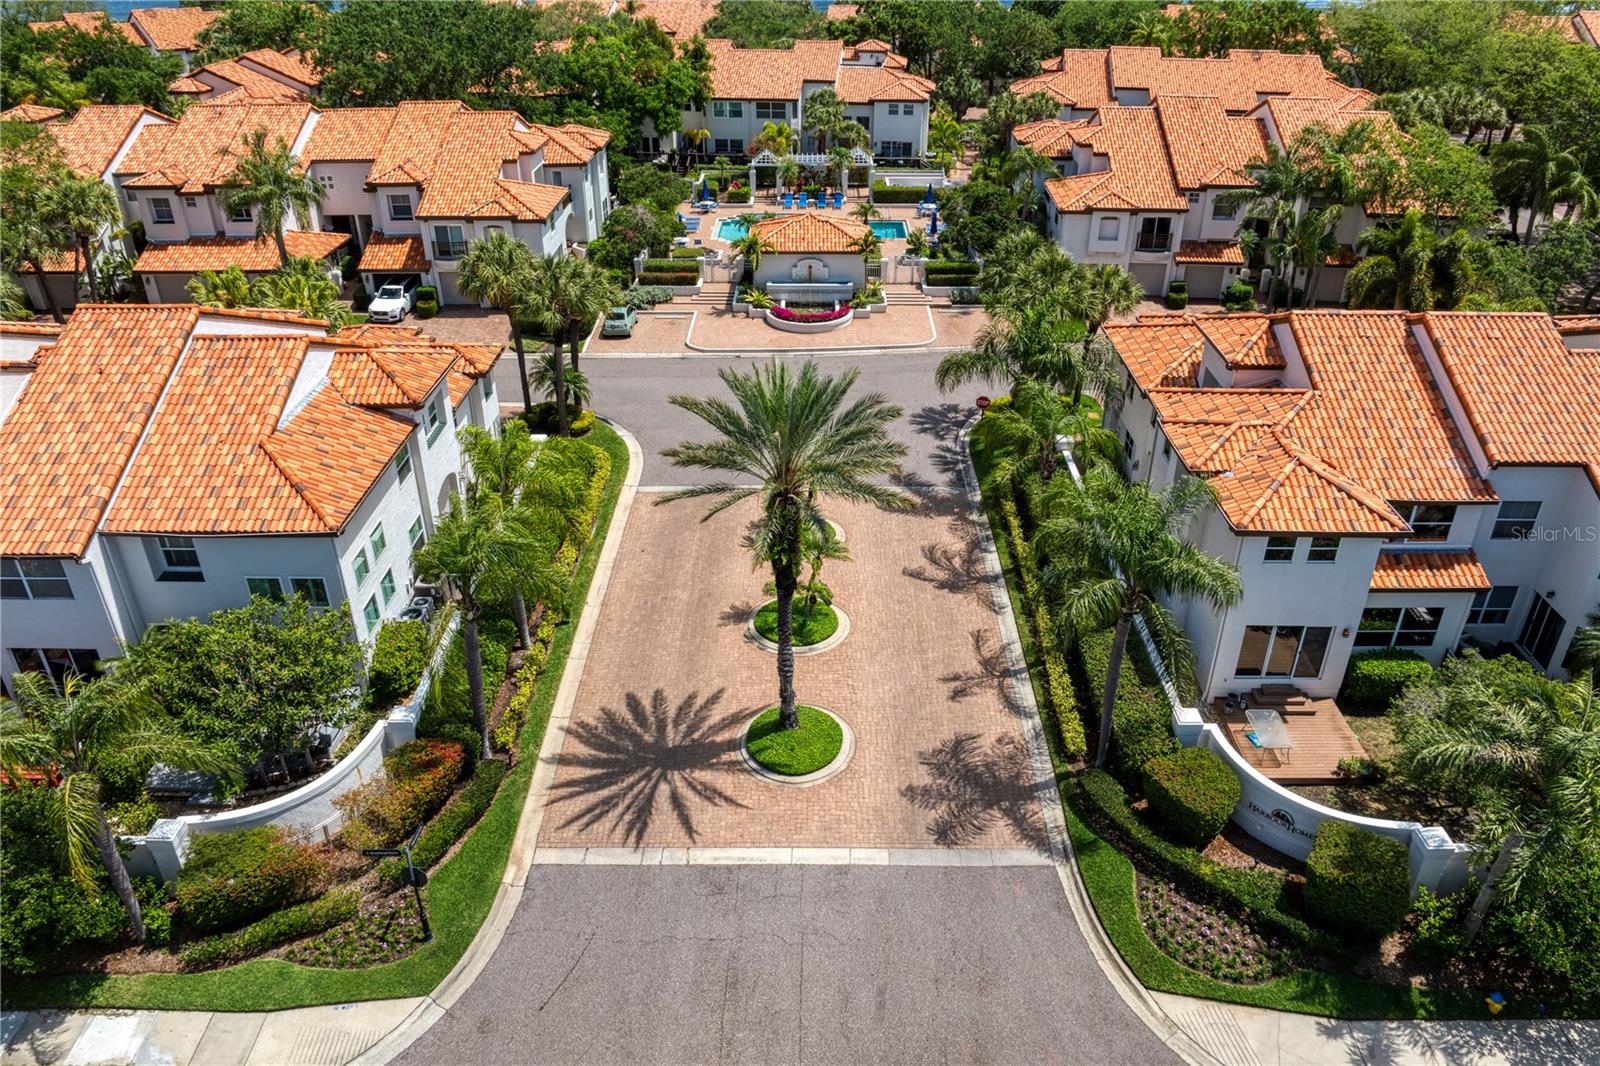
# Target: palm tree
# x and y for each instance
(751, 247)
(1537, 166)
(11, 298)
(788, 174)
(227, 288)
(503, 466)
(496, 269)
(29, 240)
(777, 137)
(866, 211)
(1153, 29)
(824, 116)
(1524, 753)
(1104, 291)
(70, 738)
(482, 549)
(269, 182)
(697, 137)
(312, 294)
(1307, 244)
(1018, 343)
(594, 292)
(794, 436)
(83, 207)
(1027, 432)
(869, 246)
(842, 157)
(1399, 267)
(543, 378)
(1115, 549)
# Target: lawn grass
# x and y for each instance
(460, 892)
(810, 628)
(794, 752)
(1108, 878)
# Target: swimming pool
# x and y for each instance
(732, 229)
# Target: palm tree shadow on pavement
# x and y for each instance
(972, 787)
(957, 567)
(737, 614)
(992, 670)
(644, 761)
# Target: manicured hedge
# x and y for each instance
(1058, 684)
(1141, 721)
(1192, 793)
(673, 265)
(451, 823)
(1239, 296)
(1358, 880)
(399, 656)
(231, 878)
(949, 271)
(280, 928)
(662, 277)
(884, 193)
(1374, 679)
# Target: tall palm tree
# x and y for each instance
(269, 182)
(496, 269)
(1018, 343)
(70, 738)
(795, 437)
(29, 240)
(1536, 165)
(594, 293)
(543, 378)
(842, 158)
(482, 549)
(1399, 267)
(866, 211)
(544, 302)
(824, 117)
(1524, 754)
(83, 207)
(779, 138)
(11, 298)
(1027, 432)
(1114, 549)
(503, 466)
(1307, 244)
(1104, 291)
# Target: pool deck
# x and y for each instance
(706, 234)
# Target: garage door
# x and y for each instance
(1152, 276)
(1205, 282)
(448, 293)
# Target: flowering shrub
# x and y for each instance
(418, 779)
(231, 878)
(1207, 939)
(787, 315)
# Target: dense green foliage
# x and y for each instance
(1142, 728)
(450, 824)
(794, 752)
(810, 626)
(1192, 792)
(66, 68)
(417, 778)
(246, 25)
(399, 656)
(1357, 880)
(1375, 679)
(231, 878)
(291, 923)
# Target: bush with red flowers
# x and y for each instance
(787, 315)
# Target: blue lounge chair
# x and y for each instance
(689, 224)
(805, 201)
(788, 201)
(1255, 742)
(838, 200)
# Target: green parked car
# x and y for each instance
(619, 322)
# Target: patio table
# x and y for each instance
(1271, 731)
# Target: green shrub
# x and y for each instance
(965, 294)
(428, 292)
(1141, 721)
(470, 742)
(642, 297)
(675, 263)
(289, 924)
(154, 911)
(884, 193)
(1239, 296)
(1358, 880)
(450, 824)
(43, 911)
(1437, 933)
(231, 878)
(1177, 300)
(949, 272)
(398, 658)
(418, 778)
(1058, 683)
(674, 277)
(347, 267)
(542, 419)
(1192, 793)
(360, 300)
(1374, 679)
(134, 817)
(426, 308)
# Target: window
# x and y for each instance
(133, 197)
(449, 242)
(1515, 520)
(402, 462)
(894, 149)
(774, 109)
(57, 662)
(1492, 607)
(189, 201)
(377, 541)
(1155, 235)
(729, 145)
(414, 535)
(1279, 550)
(1283, 651)
(1398, 627)
(1323, 550)
(371, 613)
(361, 568)
(487, 385)
(1542, 631)
(555, 178)
(241, 214)
(179, 559)
(314, 589)
(400, 207)
(1224, 210)
(1110, 229)
(267, 587)
(161, 210)
(386, 586)
(1428, 521)
(727, 109)
(326, 181)
(1193, 198)
(34, 579)
(434, 420)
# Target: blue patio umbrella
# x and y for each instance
(933, 221)
(705, 190)
(928, 196)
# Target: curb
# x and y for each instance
(847, 751)
(834, 639)
(1134, 994)
(523, 848)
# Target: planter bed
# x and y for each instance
(835, 320)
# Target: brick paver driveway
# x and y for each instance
(468, 325)
(650, 757)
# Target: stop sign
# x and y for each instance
(983, 403)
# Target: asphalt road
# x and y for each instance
(790, 964)
(633, 392)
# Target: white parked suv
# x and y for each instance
(394, 298)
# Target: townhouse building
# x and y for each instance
(753, 86)
(263, 75)
(243, 453)
(1384, 480)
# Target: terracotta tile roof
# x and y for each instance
(291, 64)
(1278, 486)
(836, 12)
(67, 262)
(1407, 571)
(1343, 256)
(1568, 324)
(1052, 138)
(811, 232)
(368, 333)
(1206, 145)
(74, 427)
(1225, 253)
(1590, 21)
(1245, 341)
(571, 144)
(1137, 177)
(1158, 352)
(90, 22)
(333, 452)
(1528, 22)
(1076, 78)
(870, 84)
(394, 255)
(1293, 115)
(200, 150)
(186, 86)
(173, 29)
(91, 138)
(30, 113)
(30, 329)
(871, 44)
(770, 73)
(1529, 398)
(253, 255)
(348, 135)
(246, 84)
(680, 19)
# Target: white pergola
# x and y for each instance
(767, 158)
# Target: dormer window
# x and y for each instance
(399, 207)
(241, 214)
(1428, 521)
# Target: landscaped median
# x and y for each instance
(460, 891)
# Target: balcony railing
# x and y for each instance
(449, 249)
(1161, 242)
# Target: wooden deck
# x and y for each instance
(1321, 738)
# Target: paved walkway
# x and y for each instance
(682, 328)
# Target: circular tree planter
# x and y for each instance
(833, 639)
(820, 730)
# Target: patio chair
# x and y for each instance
(838, 200)
(788, 201)
(1255, 742)
(805, 201)
(690, 224)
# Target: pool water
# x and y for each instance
(732, 229)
